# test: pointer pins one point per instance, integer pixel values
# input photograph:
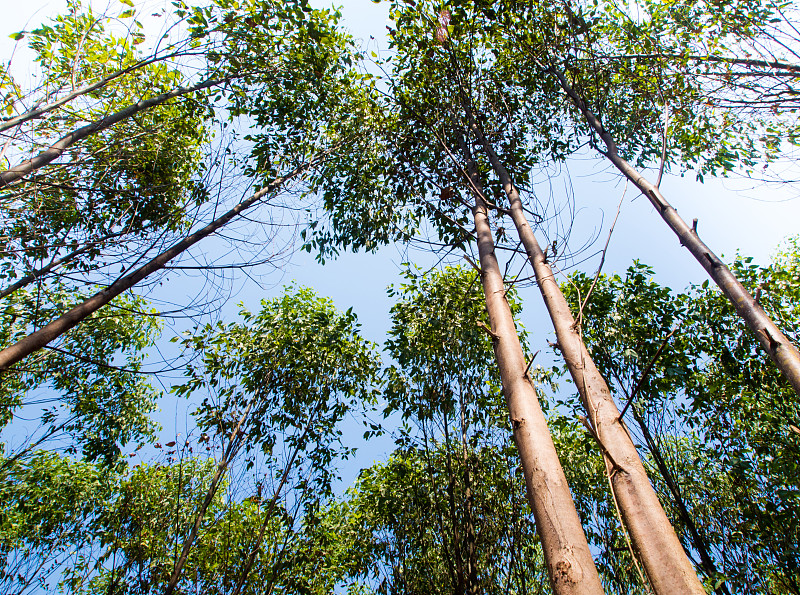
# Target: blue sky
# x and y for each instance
(733, 215)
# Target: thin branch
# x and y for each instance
(646, 373)
(663, 147)
(602, 257)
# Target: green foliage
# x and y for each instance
(406, 182)
(49, 505)
(301, 367)
(717, 71)
(719, 414)
(141, 173)
(91, 376)
(297, 367)
(699, 65)
(293, 78)
(443, 354)
(142, 527)
(446, 513)
(78, 44)
(427, 516)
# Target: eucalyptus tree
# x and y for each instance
(544, 39)
(281, 384)
(414, 175)
(275, 389)
(298, 91)
(696, 64)
(451, 82)
(446, 513)
(713, 417)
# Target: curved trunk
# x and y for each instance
(57, 149)
(668, 568)
(569, 562)
(772, 340)
(38, 339)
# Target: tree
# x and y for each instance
(441, 165)
(277, 388)
(310, 77)
(454, 90)
(446, 513)
(295, 371)
(90, 387)
(437, 154)
(712, 415)
(615, 105)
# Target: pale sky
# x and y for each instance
(752, 220)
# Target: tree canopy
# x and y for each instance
(153, 163)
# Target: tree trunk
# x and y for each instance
(668, 568)
(772, 340)
(57, 149)
(698, 542)
(569, 562)
(38, 339)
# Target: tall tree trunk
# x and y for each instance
(698, 542)
(771, 338)
(569, 562)
(668, 568)
(57, 149)
(39, 338)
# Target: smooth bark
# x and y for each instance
(57, 149)
(569, 562)
(668, 568)
(38, 339)
(772, 340)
